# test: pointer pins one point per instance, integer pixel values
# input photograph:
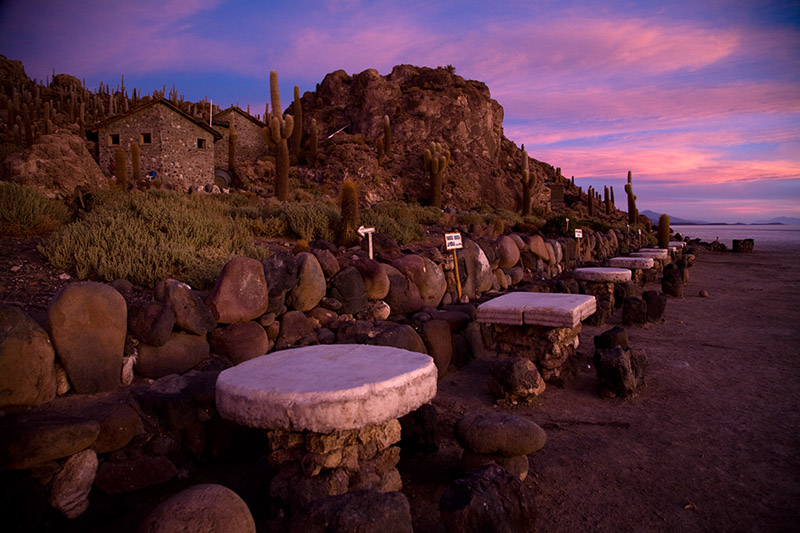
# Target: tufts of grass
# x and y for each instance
(400, 220)
(24, 211)
(311, 221)
(146, 237)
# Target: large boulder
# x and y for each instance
(88, 323)
(426, 275)
(27, 372)
(403, 296)
(384, 334)
(439, 342)
(620, 372)
(69, 492)
(54, 165)
(35, 438)
(376, 282)
(241, 293)
(151, 322)
(191, 313)
(280, 272)
(499, 433)
(515, 379)
(476, 272)
(310, 288)
(348, 287)
(240, 342)
(203, 508)
(179, 354)
(507, 251)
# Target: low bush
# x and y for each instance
(24, 211)
(147, 237)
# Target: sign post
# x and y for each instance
(579, 236)
(368, 232)
(452, 241)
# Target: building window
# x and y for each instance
(201, 143)
(113, 139)
(145, 138)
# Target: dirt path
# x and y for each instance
(712, 443)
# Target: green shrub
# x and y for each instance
(147, 237)
(470, 218)
(312, 221)
(26, 211)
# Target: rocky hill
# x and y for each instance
(423, 105)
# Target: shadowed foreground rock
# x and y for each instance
(355, 512)
(490, 500)
(202, 509)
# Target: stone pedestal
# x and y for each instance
(599, 282)
(542, 327)
(640, 268)
(331, 412)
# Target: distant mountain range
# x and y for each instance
(653, 216)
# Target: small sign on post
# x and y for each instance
(368, 232)
(452, 241)
(579, 236)
(578, 233)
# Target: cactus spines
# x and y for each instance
(379, 148)
(435, 161)
(135, 162)
(663, 231)
(121, 169)
(633, 214)
(528, 182)
(349, 220)
(275, 134)
(297, 133)
(312, 143)
(387, 135)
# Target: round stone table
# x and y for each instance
(331, 413)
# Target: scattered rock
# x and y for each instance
(516, 466)
(656, 305)
(499, 433)
(88, 322)
(203, 508)
(621, 372)
(704, 293)
(489, 500)
(515, 379)
(616, 336)
(27, 371)
(634, 311)
(241, 293)
(439, 343)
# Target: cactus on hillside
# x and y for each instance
(663, 231)
(633, 214)
(590, 202)
(349, 219)
(528, 181)
(297, 133)
(387, 135)
(275, 134)
(312, 143)
(607, 200)
(379, 148)
(435, 160)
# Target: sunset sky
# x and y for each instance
(699, 99)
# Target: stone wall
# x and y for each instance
(180, 152)
(250, 146)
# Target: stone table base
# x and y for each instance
(599, 282)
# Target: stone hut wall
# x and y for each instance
(249, 144)
(180, 152)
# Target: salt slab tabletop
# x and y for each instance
(631, 262)
(659, 253)
(555, 310)
(602, 275)
(326, 388)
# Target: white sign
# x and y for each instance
(578, 233)
(640, 231)
(363, 231)
(452, 241)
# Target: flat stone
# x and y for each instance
(537, 308)
(631, 262)
(660, 253)
(326, 388)
(677, 244)
(603, 275)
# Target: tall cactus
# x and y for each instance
(275, 134)
(528, 181)
(663, 231)
(297, 132)
(387, 135)
(590, 202)
(349, 220)
(633, 214)
(379, 148)
(607, 200)
(435, 160)
(312, 143)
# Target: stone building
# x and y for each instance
(176, 147)
(250, 146)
